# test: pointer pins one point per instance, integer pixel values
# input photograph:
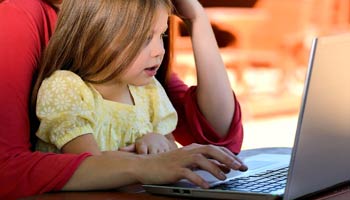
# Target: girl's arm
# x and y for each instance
(81, 144)
(214, 94)
(22, 170)
(192, 126)
(152, 143)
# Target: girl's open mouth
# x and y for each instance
(151, 71)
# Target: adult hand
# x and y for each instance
(174, 165)
(151, 143)
(113, 169)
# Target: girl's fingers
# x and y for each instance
(129, 148)
(152, 150)
(141, 148)
(158, 149)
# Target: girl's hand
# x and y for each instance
(212, 77)
(187, 9)
(152, 143)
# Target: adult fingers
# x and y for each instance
(206, 164)
(223, 167)
(194, 178)
(243, 166)
(218, 154)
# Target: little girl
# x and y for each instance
(96, 89)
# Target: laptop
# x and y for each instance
(320, 157)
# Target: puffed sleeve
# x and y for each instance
(65, 108)
(192, 125)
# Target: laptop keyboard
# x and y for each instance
(265, 182)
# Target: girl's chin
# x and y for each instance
(142, 83)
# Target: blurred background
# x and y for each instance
(265, 45)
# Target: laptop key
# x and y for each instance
(266, 182)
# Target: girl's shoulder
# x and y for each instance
(67, 87)
(65, 75)
(66, 80)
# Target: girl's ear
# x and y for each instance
(55, 3)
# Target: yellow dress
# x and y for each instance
(68, 107)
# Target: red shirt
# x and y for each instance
(25, 28)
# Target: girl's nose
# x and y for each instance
(158, 49)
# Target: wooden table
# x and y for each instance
(136, 192)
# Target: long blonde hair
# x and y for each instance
(91, 35)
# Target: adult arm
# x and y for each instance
(23, 172)
(116, 168)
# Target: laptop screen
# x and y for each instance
(320, 156)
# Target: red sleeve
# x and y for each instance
(25, 27)
(193, 127)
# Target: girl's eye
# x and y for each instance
(150, 37)
(148, 40)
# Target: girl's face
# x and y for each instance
(148, 61)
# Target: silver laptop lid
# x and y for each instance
(321, 153)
